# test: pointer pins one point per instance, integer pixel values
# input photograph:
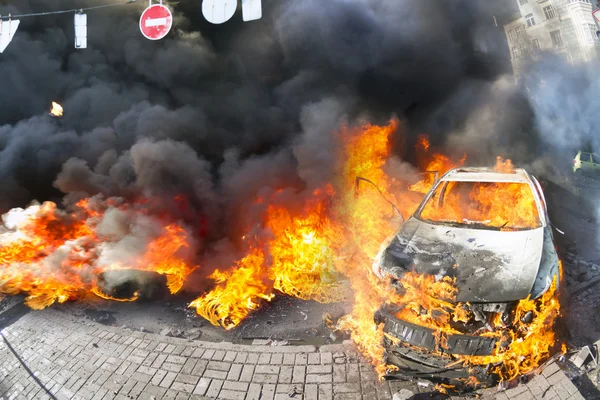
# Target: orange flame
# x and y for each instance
(57, 110)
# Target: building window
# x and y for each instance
(530, 20)
(535, 45)
(515, 53)
(523, 49)
(523, 2)
(590, 33)
(556, 37)
(519, 31)
(512, 37)
(549, 12)
(580, 1)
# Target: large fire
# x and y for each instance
(306, 252)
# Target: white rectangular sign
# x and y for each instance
(7, 32)
(251, 10)
(80, 31)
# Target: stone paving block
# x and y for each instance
(214, 388)
(247, 373)
(319, 369)
(265, 358)
(319, 378)
(231, 395)
(234, 372)
(219, 355)
(176, 360)
(254, 392)
(266, 369)
(198, 352)
(268, 392)
(168, 380)
(178, 350)
(200, 367)
(326, 358)
(137, 390)
(348, 396)
(207, 354)
(158, 377)
(240, 358)
(311, 391)
(209, 373)
(299, 374)
(285, 374)
(141, 377)
(326, 391)
(153, 390)
(550, 370)
(189, 379)
(264, 378)
(276, 359)
(289, 359)
(238, 386)
(172, 367)
(187, 352)
(189, 365)
(183, 387)
(314, 358)
(252, 358)
(230, 356)
(202, 386)
(219, 366)
(301, 359)
(352, 374)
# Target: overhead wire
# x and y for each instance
(74, 10)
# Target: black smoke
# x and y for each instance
(220, 112)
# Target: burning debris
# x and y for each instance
(56, 111)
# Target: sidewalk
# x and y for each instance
(48, 354)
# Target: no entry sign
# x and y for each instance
(156, 22)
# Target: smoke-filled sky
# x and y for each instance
(219, 112)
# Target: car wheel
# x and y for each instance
(578, 173)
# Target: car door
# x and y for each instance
(596, 164)
(586, 163)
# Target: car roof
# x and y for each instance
(485, 174)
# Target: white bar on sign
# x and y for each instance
(155, 22)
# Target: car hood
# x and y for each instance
(489, 266)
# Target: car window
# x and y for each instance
(488, 205)
(584, 157)
(596, 158)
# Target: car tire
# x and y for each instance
(578, 173)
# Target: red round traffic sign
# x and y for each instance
(156, 22)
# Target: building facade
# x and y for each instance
(564, 27)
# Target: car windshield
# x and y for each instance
(488, 205)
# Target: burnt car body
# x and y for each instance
(492, 267)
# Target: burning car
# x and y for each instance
(473, 272)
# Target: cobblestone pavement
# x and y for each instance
(49, 354)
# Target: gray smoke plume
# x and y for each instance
(223, 114)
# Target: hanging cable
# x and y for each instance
(7, 17)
